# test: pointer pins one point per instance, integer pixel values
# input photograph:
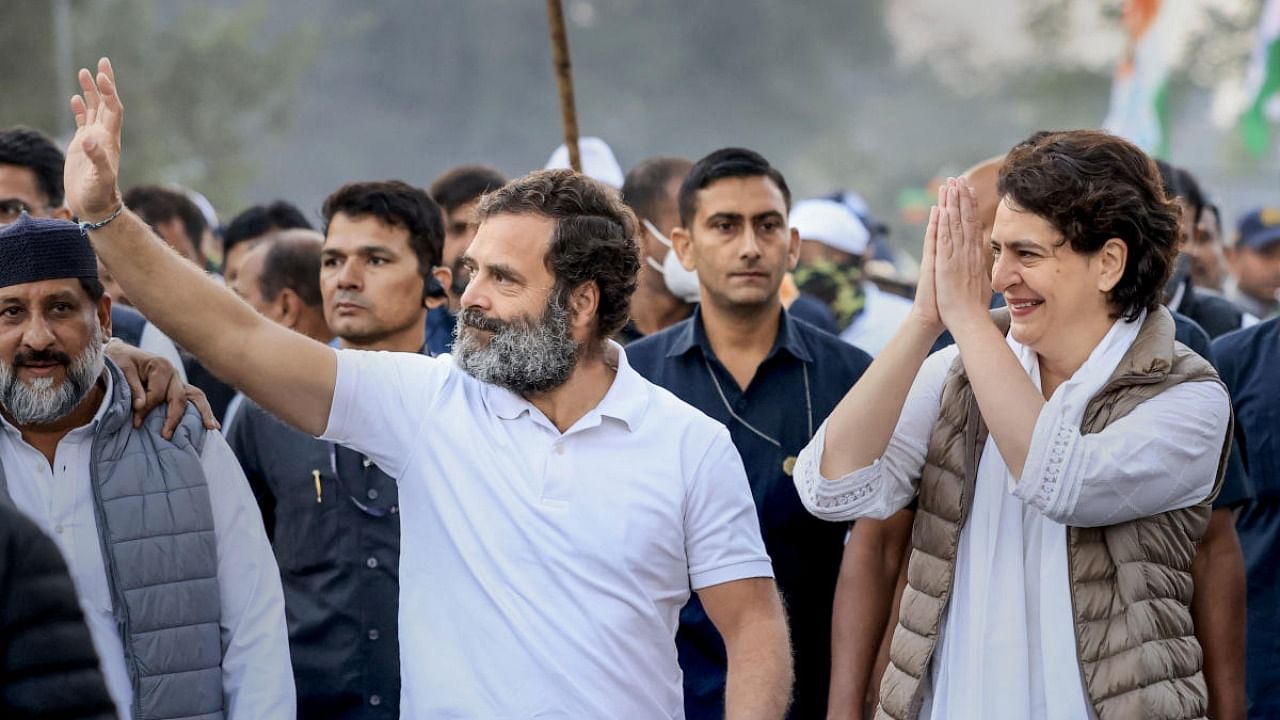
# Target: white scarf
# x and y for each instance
(1008, 647)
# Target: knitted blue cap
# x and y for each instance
(35, 249)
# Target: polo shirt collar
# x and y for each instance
(625, 401)
(691, 334)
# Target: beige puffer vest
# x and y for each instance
(1130, 583)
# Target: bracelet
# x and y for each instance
(85, 227)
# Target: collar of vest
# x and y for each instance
(120, 404)
(1148, 360)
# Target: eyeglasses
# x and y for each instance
(11, 209)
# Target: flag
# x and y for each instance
(1263, 83)
(1139, 89)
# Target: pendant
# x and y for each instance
(789, 465)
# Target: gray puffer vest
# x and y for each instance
(155, 522)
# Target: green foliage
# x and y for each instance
(201, 85)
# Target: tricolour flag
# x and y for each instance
(1262, 83)
(1139, 106)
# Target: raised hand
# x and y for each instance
(93, 158)
(961, 279)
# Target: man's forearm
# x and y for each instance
(855, 636)
(1218, 608)
(861, 612)
(286, 373)
(758, 685)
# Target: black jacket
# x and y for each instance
(1217, 315)
(48, 667)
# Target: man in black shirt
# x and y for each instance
(332, 516)
(771, 379)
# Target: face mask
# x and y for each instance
(680, 282)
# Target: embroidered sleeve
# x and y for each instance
(1162, 456)
(846, 498)
(1045, 483)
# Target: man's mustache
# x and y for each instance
(42, 357)
(348, 296)
(473, 318)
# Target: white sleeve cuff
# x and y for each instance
(336, 428)
(737, 571)
(837, 500)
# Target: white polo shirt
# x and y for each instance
(542, 574)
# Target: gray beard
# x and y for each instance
(40, 402)
(524, 357)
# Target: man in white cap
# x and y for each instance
(835, 242)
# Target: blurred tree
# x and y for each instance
(201, 83)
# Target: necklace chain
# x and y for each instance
(808, 404)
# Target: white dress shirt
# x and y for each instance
(1007, 647)
(542, 573)
(257, 676)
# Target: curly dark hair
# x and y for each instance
(1093, 186)
(594, 238)
(397, 204)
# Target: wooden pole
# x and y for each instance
(564, 81)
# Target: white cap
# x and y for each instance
(598, 161)
(831, 223)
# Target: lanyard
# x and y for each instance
(808, 404)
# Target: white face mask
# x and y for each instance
(680, 282)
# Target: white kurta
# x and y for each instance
(257, 675)
(1007, 648)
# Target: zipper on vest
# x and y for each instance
(1075, 620)
(119, 607)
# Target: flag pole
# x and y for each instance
(564, 81)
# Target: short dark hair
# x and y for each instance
(726, 163)
(292, 263)
(594, 238)
(1210, 205)
(156, 205)
(398, 204)
(1178, 182)
(645, 188)
(1093, 186)
(460, 185)
(33, 150)
(259, 220)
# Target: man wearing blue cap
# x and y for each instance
(1254, 259)
(172, 569)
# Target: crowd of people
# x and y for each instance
(666, 443)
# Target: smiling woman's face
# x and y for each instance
(1057, 297)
